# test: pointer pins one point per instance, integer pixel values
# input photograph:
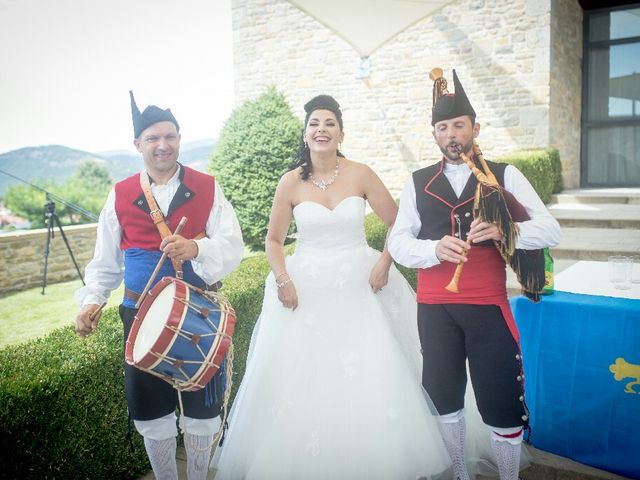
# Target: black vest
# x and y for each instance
(439, 207)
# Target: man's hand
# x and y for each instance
(451, 249)
(481, 231)
(179, 248)
(85, 325)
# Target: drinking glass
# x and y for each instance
(620, 267)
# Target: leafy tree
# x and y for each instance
(87, 188)
(257, 143)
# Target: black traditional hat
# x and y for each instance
(323, 102)
(152, 114)
(445, 104)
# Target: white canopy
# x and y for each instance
(368, 24)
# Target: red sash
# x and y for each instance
(482, 282)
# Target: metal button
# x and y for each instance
(521, 398)
(518, 357)
(139, 202)
(467, 215)
(525, 418)
(187, 194)
(456, 234)
(519, 378)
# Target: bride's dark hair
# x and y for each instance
(321, 102)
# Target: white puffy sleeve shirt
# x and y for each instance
(542, 230)
(219, 253)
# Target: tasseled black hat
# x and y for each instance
(151, 115)
(323, 102)
(445, 104)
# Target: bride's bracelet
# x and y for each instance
(280, 285)
(280, 274)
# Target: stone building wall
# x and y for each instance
(566, 86)
(22, 256)
(501, 50)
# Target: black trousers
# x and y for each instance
(150, 397)
(452, 333)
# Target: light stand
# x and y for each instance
(51, 218)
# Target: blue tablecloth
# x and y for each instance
(572, 345)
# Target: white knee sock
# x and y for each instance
(162, 455)
(452, 428)
(198, 448)
(507, 452)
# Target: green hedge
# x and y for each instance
(541, 166)
(62, 413)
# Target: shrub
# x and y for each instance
(542, 168)
(62, 407)
(256, 145)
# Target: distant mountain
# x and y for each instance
(57, 162)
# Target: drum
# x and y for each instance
(181, 334)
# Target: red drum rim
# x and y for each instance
(174, 320)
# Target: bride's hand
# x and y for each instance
(379, 275)
(288, 296)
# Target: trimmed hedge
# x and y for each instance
(257, 143)
(541, 166)
(62, 411)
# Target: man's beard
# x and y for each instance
(455, 157)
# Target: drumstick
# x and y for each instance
(179, 228)
(96, 311)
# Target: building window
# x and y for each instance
(611, 103)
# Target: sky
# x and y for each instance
(66, 68)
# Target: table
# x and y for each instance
(581, 356)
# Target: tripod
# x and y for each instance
(50, 218)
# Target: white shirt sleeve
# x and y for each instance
(105, 271)
(403, 244)
(542, 230)
(223, 248)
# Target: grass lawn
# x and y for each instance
(29, 314)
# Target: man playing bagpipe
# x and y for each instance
(139, 227)
(465, 211)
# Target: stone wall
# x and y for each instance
(22, 256)
(566, 86)
(501, 50)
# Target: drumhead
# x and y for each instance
(154, 321)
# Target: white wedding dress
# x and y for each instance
(332, 390)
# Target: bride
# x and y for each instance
(332, 385)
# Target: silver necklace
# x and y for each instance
(323, 184)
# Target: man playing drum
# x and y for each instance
(133, 235)
(434, 229)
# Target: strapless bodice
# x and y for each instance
(331, 230)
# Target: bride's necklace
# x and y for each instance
(323, 184)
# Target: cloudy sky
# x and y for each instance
(67, 67)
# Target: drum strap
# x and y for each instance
(158, 218)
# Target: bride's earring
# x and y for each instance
(306, 146)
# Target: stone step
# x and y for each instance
(547, 466)
(597, 215)
(599, 195)
(579, 243)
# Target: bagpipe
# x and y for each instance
(494, 204)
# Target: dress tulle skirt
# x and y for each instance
(332, 390)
